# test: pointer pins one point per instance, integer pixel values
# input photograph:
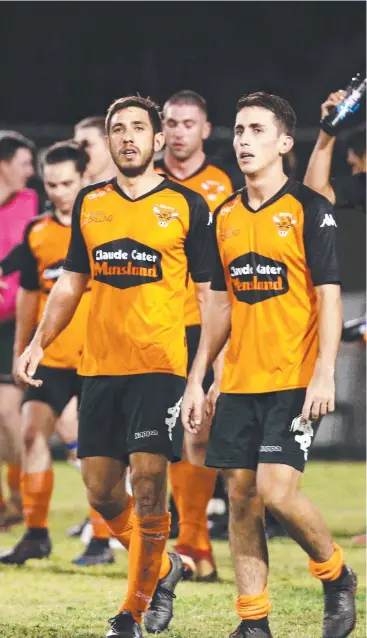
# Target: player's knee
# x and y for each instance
(147, 489)
(29, 435)
(275, 497)
(99, 494)
(242, 501)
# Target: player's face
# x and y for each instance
(18, 170)
(258, 140)
(97, 149)
(62, 183)
(185, 127)
(132, 142)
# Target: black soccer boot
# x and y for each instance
(160, 611)
(252, 629)
(124, 626)
(35, 543)
(340, 609)
(97, 552)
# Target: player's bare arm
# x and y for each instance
(26, 321)
(215, 332)
(59, 311)
(320, 397)
(319, 166)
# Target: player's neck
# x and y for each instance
(182, 169)
(64, 218)
(264, 185)
(135, 187)
(6, 193)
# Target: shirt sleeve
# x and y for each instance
(198, 243)
(28, 267)
(13, 260)
(319, 238)
(77, 259)
(350, 191)
(218, 277)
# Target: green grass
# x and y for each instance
(52, 598)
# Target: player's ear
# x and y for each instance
(207, 129)
(158, 142)
(286, 144)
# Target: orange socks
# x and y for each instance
(148, 541)
(192, 488)
(100, 529)
(36, 492)
(331, 569)
(121, 528)
(253, 607)
(13, 477)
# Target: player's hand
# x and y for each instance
(211, 400)
(320, 396)
(27, 364)
(3, 285)
(334, 99)
(193, 408)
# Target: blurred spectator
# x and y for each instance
(18, 205)
(90, 132)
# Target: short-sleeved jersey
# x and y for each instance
(270, 261)
(46, 243)
(213, 183)
(138, 253)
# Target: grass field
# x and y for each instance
(52, 598)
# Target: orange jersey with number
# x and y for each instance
(46, 246)
(138, 253)
(215, 186)
(270, 261)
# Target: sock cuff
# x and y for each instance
(37, 482)
(154, 524)
(118, 524)
(330, 569)
(253, 607)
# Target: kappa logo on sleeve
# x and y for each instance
(256, 278)
(328, 221)
(125, 263)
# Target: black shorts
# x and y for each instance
(132, 413)
(249, 429)
(59, 386)
(7, 334)
(192, 340)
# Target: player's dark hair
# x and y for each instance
(65, 152)
(187, 96)
(11, 141)
(140, 102)
(356, 142)
(281, 109)
(94, 121)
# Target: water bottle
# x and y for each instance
(338, 115)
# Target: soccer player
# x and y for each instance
(135, 236)
(348, 191)
(45, 247)
(275, 293)
(186, 127)
(90, 133)
(18, 205)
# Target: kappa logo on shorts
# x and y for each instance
(171, 420)
(256, 278)
(125, 263)
(146, 434)
(271, 448)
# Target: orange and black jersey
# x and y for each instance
(213, 183)
(44, 249)
(270, 261)
(138, 253)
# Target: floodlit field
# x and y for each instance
(52, 598)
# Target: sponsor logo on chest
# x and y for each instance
(256, 278)
(126, 263)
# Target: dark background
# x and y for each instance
(61, 61)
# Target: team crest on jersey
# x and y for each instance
(165, 214)
(228, 207)
(212, 189)
(284, 222)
